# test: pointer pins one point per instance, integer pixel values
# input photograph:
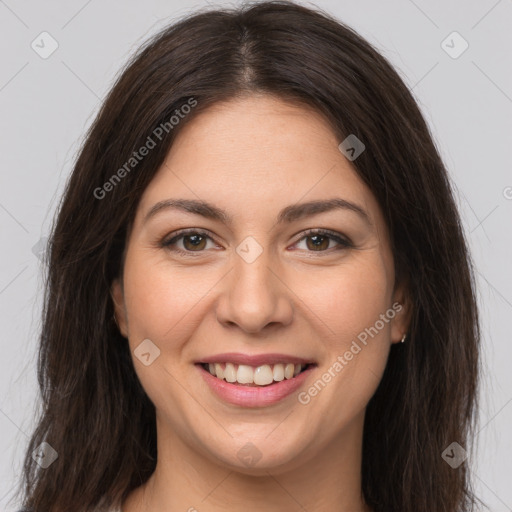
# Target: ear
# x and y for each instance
(403, 310)
(117, 293)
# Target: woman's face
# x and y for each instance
(250, 288)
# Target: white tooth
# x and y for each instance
(263, 375)
(219, 371)
(278, 372)
(211, 368)
(245, 374)
(230, 372)
(288, 370)
(297, 369)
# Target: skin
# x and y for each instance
(294, 298)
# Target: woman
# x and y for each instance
(259, 293)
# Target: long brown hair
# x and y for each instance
(96, 415)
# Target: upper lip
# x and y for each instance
(255, 360)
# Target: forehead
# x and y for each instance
(257, 154)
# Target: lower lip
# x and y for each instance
(253, 396)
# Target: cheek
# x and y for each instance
(348, 299)
(356, 348)
(356, 341)
(161, 301)
(351, 304)
(162, 305)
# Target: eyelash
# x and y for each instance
(168, 243)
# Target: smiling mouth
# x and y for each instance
(255, 376)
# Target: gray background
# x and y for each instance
(47, 104)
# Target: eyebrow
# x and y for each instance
(286, 215)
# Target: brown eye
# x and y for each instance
(194, 242)
(318, 242)
(323, 241)
(188, 242)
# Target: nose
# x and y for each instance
(255, 297)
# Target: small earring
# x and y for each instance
(403, 338)
(115, 320)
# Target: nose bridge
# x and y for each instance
(254, 296)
